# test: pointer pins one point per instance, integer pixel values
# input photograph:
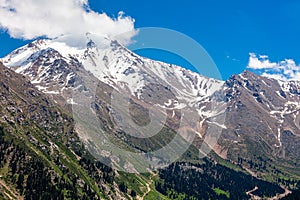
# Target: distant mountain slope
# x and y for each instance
(262, 123)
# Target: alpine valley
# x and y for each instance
(50, 92)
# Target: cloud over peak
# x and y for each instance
(29, 19)
(283, 70)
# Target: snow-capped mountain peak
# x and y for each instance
(111, 63)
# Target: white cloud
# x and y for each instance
(261, 62)
(283, 70)
(263, 56)
(29, 19)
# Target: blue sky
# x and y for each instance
(228, 30)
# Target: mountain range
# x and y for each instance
(104, 122)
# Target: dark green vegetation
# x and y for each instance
(210, 181)
(294, 196)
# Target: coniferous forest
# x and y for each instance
(210, 181)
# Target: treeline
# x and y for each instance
(210, 181)
(266, 165)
